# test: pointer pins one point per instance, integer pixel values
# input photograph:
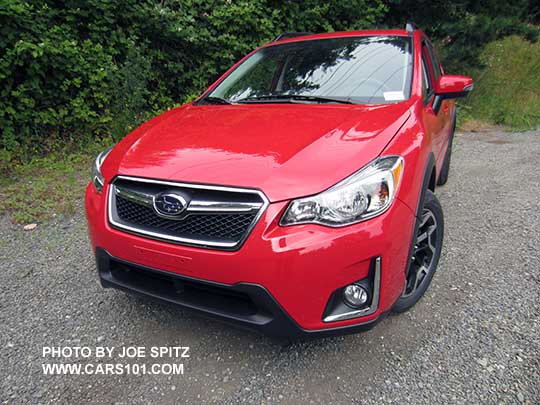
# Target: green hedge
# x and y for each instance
(74, 70)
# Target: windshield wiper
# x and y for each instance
(290, 98)
(214, 100)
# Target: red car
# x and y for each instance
(296, 195)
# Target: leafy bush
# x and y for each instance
(461, 28)
(507, 92)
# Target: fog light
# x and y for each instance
(355, 295)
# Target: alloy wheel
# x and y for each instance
(424, 253)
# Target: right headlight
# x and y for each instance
(363, 195)
(97, 177)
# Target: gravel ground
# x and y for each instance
(474, 338)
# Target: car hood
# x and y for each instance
(287, 150)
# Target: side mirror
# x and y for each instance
(451, 86)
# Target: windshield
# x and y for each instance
(363, 70)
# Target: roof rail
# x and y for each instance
(410, 27)
(287, 35)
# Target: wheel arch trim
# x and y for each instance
(429, 172)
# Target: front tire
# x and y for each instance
(427, 242)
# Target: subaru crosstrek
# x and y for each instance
(295, 196)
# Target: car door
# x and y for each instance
(434, 122)
(446, 111)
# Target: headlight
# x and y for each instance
(365, 194)
(97, 177)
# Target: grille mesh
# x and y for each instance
(222, 226)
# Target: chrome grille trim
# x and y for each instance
(195, 207)
(135, 196)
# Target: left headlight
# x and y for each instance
(363, 195)
(97, 177)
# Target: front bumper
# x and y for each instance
(289, 273)
(246, 305)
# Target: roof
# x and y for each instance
(341, 34)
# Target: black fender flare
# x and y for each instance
(426, 180)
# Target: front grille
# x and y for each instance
(202, 226)
(216, 217)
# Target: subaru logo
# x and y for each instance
(170, 204)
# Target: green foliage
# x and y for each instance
(461, 28)
(46, 187)
(30, 197)
(52, 80)
(507, 92)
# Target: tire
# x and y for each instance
(427, 242)
(445, 169)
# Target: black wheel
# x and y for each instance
(426, 253)
(445, 169)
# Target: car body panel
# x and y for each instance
(279, 149)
